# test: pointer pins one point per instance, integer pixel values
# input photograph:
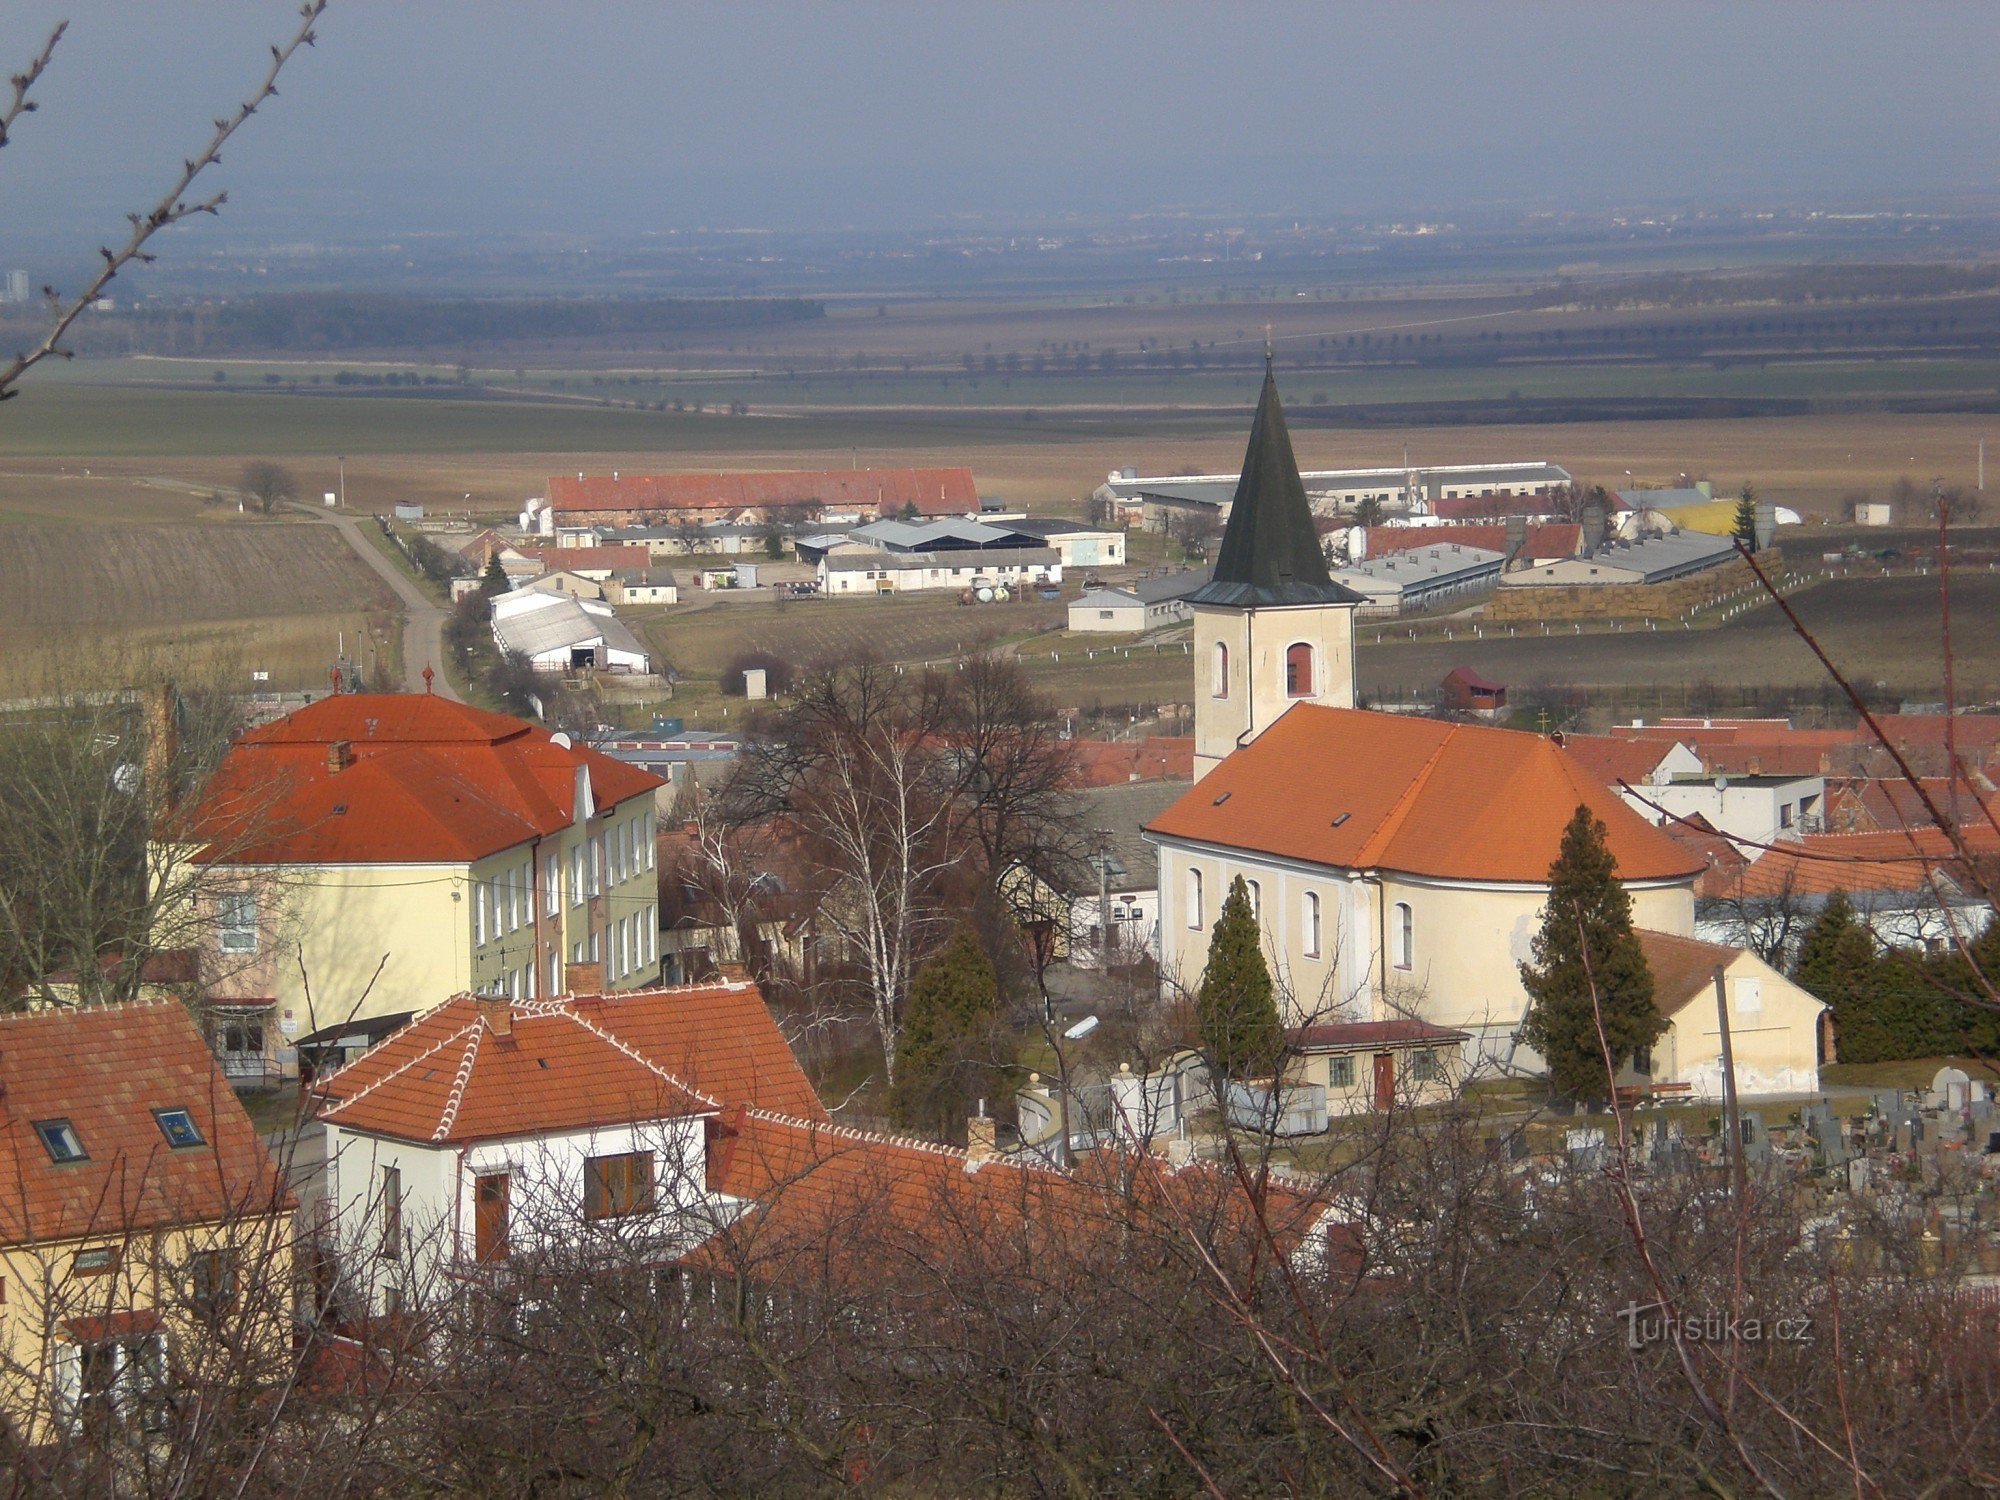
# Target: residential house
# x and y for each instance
(643, 586)
(144, 1230)
(597, 564)
(376, 853)
(1777, 1031)
(489, 1131)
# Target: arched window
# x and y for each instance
(1256, 898)
(1194, 900)
(1405, 934)
(1221, 670)
(1309, 923)
(1298, 670)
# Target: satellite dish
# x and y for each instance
(561, 741)
(1081, 1029)
(1722, 783)
(125, 777)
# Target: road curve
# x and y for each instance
(423, 617)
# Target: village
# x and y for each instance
(427, 996)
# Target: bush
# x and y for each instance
(777, 673)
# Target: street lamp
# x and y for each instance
(1075, 1032)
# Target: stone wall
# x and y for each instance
(1626, 601)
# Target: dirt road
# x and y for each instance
(423, 617)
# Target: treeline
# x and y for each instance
(1790, 284)
(1891, 1003)
(307, 322)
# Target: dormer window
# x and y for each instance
(60, 1140)
(178, 1126)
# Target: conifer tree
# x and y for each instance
(494, 580)
(1589, 913)
(1745, 529)
(1235, 1008)
(944, 1056)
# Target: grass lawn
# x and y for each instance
(1906, 1073)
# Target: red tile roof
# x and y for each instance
(479, 1069)
(1155, 758)
(934, 492)
(1614, 760)
(1683, 968)
(571, 559)
(1360, 790)
(106, 1070)
(1544, 539)
(430, 780)
(1889, 861)
(1724, 862)
(1862, 803)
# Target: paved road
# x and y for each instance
(423, 617)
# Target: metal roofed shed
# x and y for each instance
(1138, 606)
(563, 634)
(1649, 560)
(1421, 577)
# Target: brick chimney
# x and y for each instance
(584, 978)
(339, 756)
(981, 1138)
(733, 971)
(497, 1011)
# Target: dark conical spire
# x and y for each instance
(1270, 549)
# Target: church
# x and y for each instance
(1398, 865)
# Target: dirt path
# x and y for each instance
(423, 617)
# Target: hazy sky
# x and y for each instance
(619, 115)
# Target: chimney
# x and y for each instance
(498, 1013)
(1515, 544)
(339, 756)
(584, 979)
(1593, 530)
(161, 747)
(981, 1139)
(734, 971)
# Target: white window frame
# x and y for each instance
(1403, 935)
(1193, 892)
(1309, 924)
(232, 933)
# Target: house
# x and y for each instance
(375, 853)
(1421, 578)
(1908, 886)
(144, 1229)
(1622, 763)
(788, 496)
(1752, 811)
(643, 586)
(558, 632)
(1379, 1065)
(1118, 892)
(1776, 1029)
(490, 1131)
(1465, 691)
(1398, 866)
(1139, 606)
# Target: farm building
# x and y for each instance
(1421, 578)
(789, 495)
(594, 563)
(1653, 559)
(558, 633)
(714, 538)
(1520, 542)
(1138, 606)
(1079, 546)
(1414, 489)
(643, 586)
(853, 573)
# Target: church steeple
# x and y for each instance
(1271, 628)
(1270, 549)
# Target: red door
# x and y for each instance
(489, 1217)
(1385, 1079)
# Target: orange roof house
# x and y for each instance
(125, 1161)
(633, 499)
(376, 853)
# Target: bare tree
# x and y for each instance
(269, 484)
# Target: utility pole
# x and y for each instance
(341, 459)
(1103, 836)
(1731, 1119)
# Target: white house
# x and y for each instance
(488, 1130)
(1134, 608)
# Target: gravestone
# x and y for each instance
(1857, 1175)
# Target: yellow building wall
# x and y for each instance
(1775, 1044)
(1257, 641)
(43, 1294)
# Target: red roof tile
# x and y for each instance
(1683, 968)
(1360, 790)
(1544, 538)
(569, 1063)
(1614, 760)
(1890, 861)
(1154, 758)
(106, 1070)
(572, 559)
(934, 492)
(429, 780)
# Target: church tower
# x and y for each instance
(1270, 627)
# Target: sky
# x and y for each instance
(620, 116)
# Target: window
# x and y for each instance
(597, 864)
(1750, 996)
(615, 1187)
(478, 912)
(490, 1195)
(109, 1380)
(1194, 899)
(575, 874)
(1784, 815)
(551, 884)
(212, 1282)
(1220, 686)
(1256, 891)
(651, 930)
(60, 1140)
(236, 921)
(391, 1209)
(1424, 1067)
(1298, 670)
(646, 839)
(178, 1126)
(101, 1261)
(1309, 923)
(528, 893)
(1104, 614)
(1340, 1072)
(513, 904)
(1405, 934)
(555, 973)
